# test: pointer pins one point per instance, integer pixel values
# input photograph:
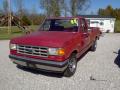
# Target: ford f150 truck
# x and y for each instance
(55, 46)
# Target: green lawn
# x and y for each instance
(117, 26)
(15, 32)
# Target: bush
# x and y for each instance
(117, 26)
(26, 20)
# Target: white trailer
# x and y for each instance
(105, 23)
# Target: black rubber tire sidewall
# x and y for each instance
(94, 46)
(68, 72)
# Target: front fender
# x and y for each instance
(70, 47)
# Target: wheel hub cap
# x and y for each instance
(72, 65)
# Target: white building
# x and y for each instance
(105, 23)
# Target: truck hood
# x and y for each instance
(45, 38)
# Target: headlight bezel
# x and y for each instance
(12, 46)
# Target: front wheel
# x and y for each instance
(72, 65)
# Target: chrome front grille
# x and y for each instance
(32, 50)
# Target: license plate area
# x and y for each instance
(31, 65)
(26, 64)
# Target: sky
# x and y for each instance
(94, 6)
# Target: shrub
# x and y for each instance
(26, 20)
(117, 26)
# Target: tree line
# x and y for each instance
(64, 7)
(49, 8)
(110, 11)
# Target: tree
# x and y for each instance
(45, 6)
(101, 12)
(33, 14)
(1, 11)
(51, 7)
(26, 20)
(5, 6)
(55, 7)
(58, 7)
(109, 11)
(76, 6)
(20, 7)
(73, 7)
(63, 7)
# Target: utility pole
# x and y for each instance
(9, 16)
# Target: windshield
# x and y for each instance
(67, 25)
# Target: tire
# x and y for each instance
(72, 65)
(94, 46)
(20, 66)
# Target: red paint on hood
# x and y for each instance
(45, 38)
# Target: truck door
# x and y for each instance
(85, 39)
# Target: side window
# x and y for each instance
(46, 26)
(88, 22)
(83, 29)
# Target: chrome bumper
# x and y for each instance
(39, 64)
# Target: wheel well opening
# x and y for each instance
(75, 52)
(96, 38)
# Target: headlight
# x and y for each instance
(13, 46)
(56, 51)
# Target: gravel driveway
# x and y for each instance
(95, 71)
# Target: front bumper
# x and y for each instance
(39, 64)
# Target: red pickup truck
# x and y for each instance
(55, 46)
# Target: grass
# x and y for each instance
(15, 32)
(117, 26)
